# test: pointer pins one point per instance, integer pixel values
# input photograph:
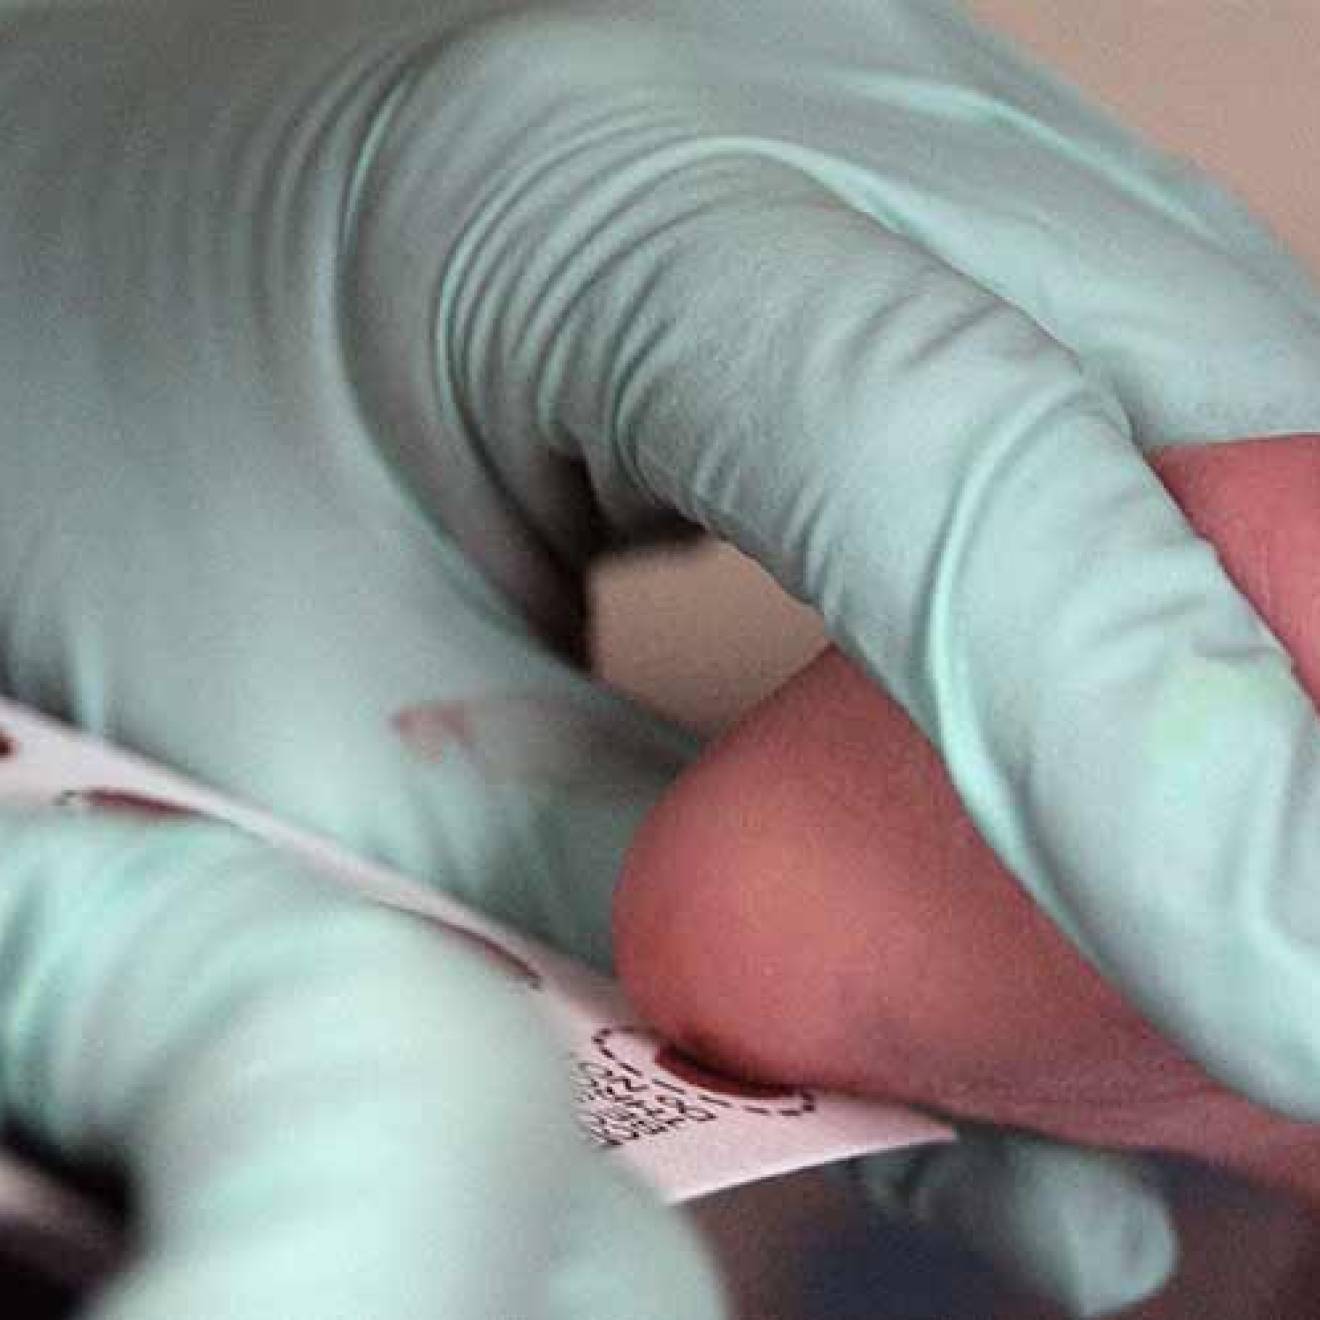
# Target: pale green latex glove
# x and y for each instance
(310, 308)
(326, 1109)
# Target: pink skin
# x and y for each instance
(809, 904)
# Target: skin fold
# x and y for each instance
(811, 904)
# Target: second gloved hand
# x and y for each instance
(323, 1108)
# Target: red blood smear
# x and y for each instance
(687, 1069)
(126, 802)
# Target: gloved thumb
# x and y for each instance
(301, 1088)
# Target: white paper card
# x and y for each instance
(685, 1130)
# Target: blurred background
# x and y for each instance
(702, 634)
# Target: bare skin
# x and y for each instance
(809, 903)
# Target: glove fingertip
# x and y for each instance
(1089, 1230)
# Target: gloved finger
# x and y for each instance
(1171, 293)
(324, 1110)
(1088, 1229)
(964, 503)
(627, 1255)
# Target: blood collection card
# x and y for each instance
(684, 1129)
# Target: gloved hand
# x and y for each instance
(327, 1109)
(340, 337)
